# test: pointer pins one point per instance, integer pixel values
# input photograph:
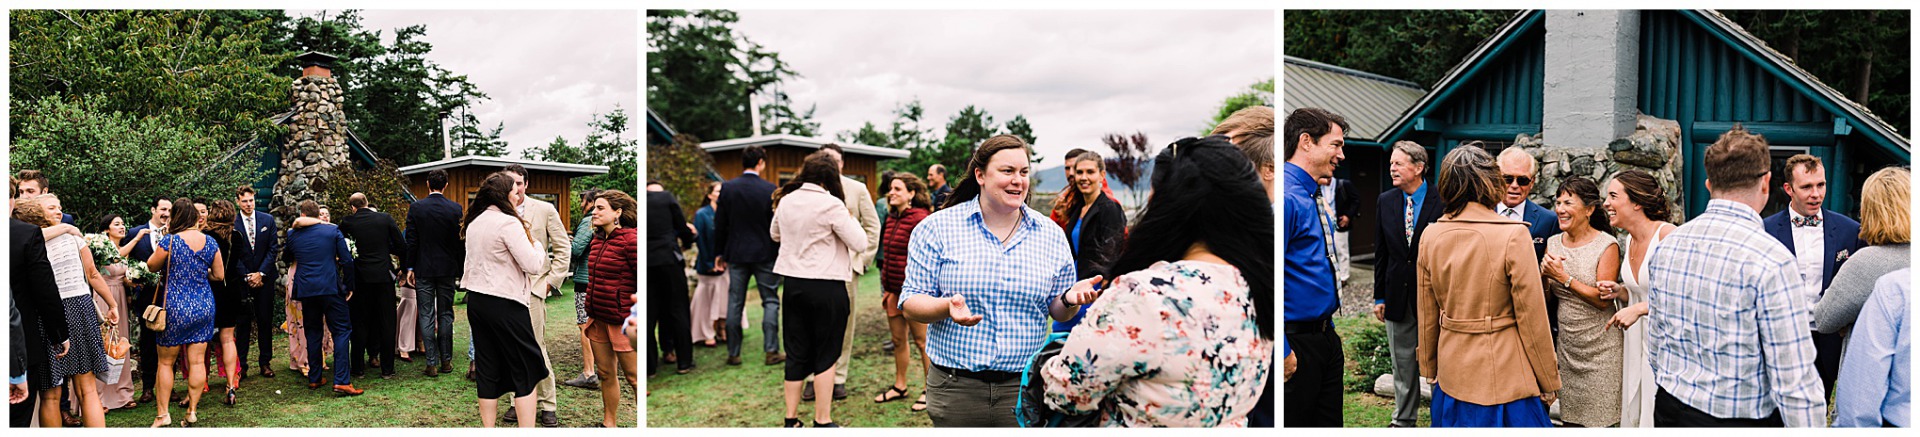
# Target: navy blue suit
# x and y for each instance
(1841, 234)
(435, 255)
(1393, 273)
(263, 249)
(742, 230)
(320, 253)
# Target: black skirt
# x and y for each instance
(229, 303)
(816, 316)
(506, 357)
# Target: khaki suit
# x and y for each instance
(550, 234)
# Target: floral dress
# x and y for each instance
(1175, 345)
(189, 299)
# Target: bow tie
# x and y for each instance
(1808, 221)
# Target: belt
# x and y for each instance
(1310, 326)
(993, 376)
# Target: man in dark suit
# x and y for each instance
(378, 238)
(667, 312)
(320, 253)
(742, 232)
(1404, 214)
(32, 286)
(145, 238)
(34, 183)
(1517, 169)
(1820, 240)
(435, 257)
(259, 273)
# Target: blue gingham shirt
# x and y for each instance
(1727, 334)
(952, 252)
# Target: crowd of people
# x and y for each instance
(201, 279)
(1163, 318)
(1602, 305)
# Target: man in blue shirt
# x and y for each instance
(1403, 217)
(1874, 389)
(1314, 362)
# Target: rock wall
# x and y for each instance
(316, 143)
(1653, 147)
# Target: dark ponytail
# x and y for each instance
(969, 188)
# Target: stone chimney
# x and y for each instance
(316, 137)
(1592, 76)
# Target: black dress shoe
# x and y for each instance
(513, 415)
(266, 371)
(547, 419)
(806, 392)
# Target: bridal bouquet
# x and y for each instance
(105, 252)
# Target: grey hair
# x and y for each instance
(1414, 151)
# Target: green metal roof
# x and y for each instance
(1370, 102)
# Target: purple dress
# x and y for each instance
(189, 299)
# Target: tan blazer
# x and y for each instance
(1483, 317)
(552, 237)
(861, 206)
(818, 239)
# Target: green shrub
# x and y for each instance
(1367, 348)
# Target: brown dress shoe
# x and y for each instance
(776, 358)
(313, 385)
(347, 390)
(431, 372)
(733, 360)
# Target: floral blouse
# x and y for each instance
(1173, 345)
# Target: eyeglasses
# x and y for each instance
(1517, 180)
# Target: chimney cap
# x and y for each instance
(320, 59)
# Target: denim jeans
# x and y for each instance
(435, 296)
(769, 283)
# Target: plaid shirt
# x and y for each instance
(952, 253)
(1726, 333)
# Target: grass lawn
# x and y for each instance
(718, 395)
(1363, 409)
(409, 400)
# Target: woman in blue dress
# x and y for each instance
(189, 303)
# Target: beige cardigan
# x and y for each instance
(500, 257)
(818, 239)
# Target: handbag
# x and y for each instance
(155, 317)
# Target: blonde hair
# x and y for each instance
(1884, 218)
(34, 210)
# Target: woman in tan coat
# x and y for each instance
(1483, 317)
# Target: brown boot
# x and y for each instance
(776, 358)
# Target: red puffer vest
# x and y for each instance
(893, 248)
(611, 260)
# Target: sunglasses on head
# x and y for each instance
(1517, 180)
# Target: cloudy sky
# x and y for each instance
(547, 72)
(1075, 74)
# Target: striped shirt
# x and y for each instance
(952, 253)
(1727, 332)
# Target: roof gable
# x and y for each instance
(1370, 102)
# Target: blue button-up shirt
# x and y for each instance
(952, 253)
(1873, 386)
(1727, 332)
(1311, 293)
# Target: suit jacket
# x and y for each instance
(32, 286)
(1345, 203)
(1842, 235)
(320, 252)
(142, 250)
(378, 239)
(551, 234)
(1483, 325)
(667, 230)
(1393, 273)
(1542, 223)
(263, 246)
(743, 222)
(434, 248)
(1100, 237)
(860, 205)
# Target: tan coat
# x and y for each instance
(1483, 317)
(860, 205)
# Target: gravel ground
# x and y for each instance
(1356, 296)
